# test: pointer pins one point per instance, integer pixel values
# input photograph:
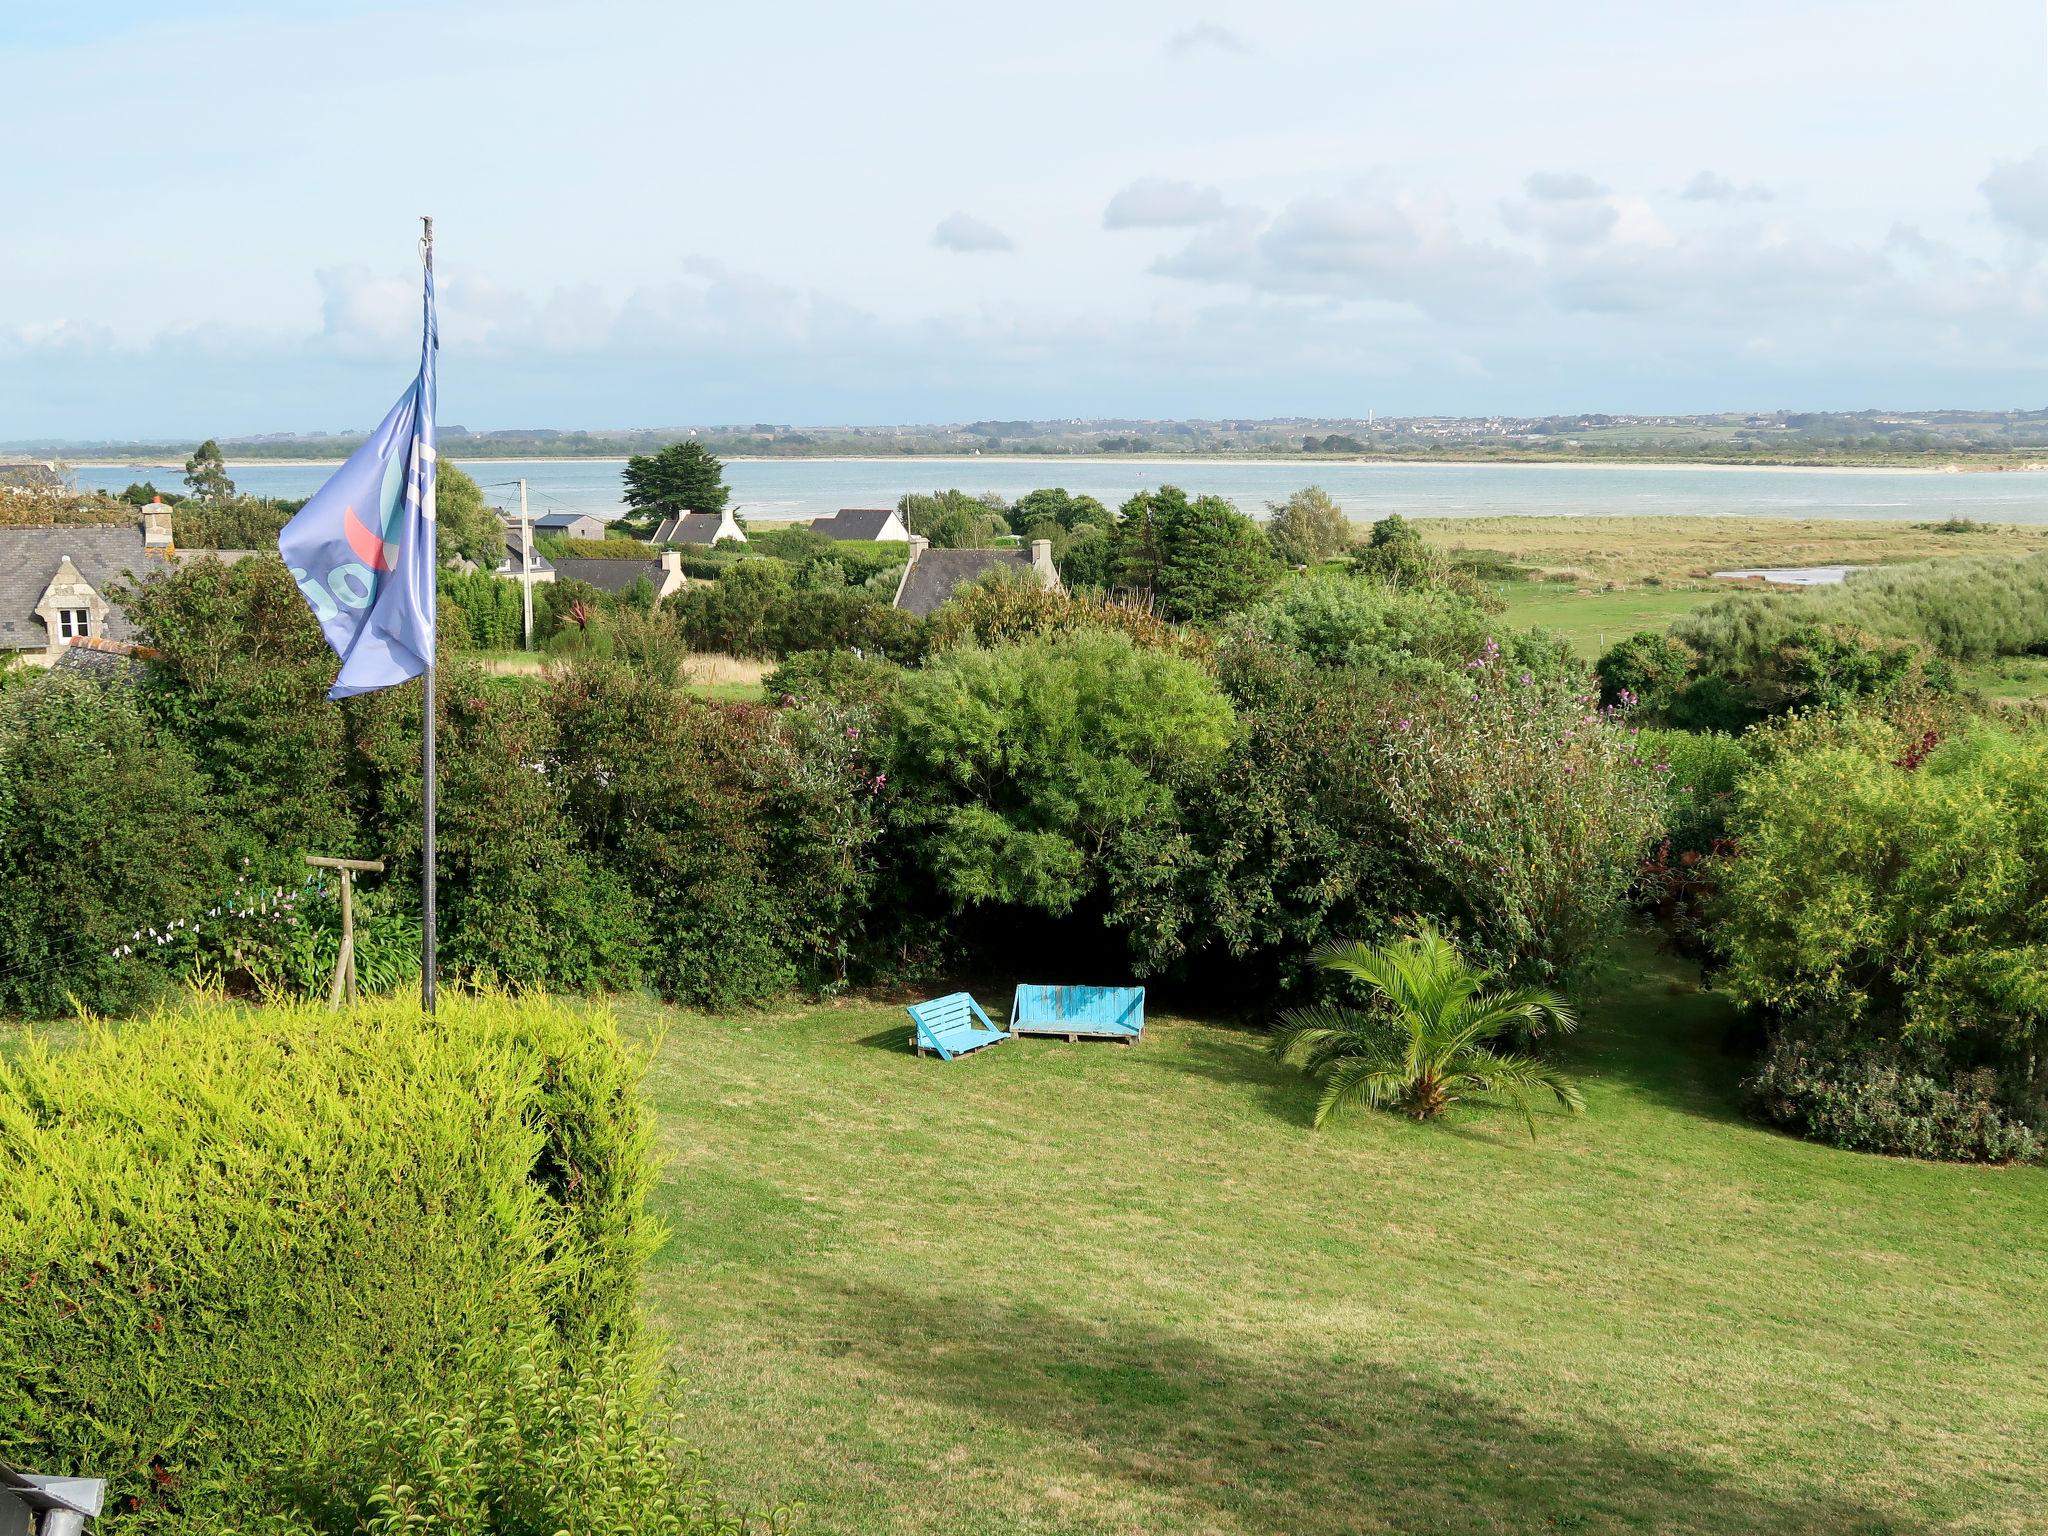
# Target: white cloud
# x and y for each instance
(964, 232)
(2017, 191)
(1155, 203)
(1562, 187)
(1712, 187)
(1206, 36)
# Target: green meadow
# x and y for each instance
(1085, 1288)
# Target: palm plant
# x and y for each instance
(1426, 1047)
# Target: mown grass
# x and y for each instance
(1594, 620)
(1091, 1289)
(1685, 549)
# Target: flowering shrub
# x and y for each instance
(1529, 803)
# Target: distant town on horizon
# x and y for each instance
(1748, 436)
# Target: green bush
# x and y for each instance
(554, 546)
(106, 840)
(535, 1449)
(1876, 1096)
(1527, 806)
(1885, 880)
(1015, 766)
(218, 1226)
(493, 610)
(745, 835)
(1699, 790)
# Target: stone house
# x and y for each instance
(54, 582)
(933, 575)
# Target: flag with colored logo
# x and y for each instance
(362, 550)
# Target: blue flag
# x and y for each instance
(363, 549)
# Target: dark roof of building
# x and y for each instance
(106, 661)
(689, 528)
(610, 575)
(937, 573)
(565, 519)
(854, 523)
(29, 557)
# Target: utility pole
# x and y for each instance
(345, 962)
(526, 563)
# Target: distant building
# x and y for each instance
(54, 581)
(934, 575)
(664, 573)
(571, 525)
(512, 566)
(30, 476)
(700, 528)
(876, 525)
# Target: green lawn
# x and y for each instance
(1594, 620)
(1094, 1289)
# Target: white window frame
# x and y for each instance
(74, 623)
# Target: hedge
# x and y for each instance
(227, 1234)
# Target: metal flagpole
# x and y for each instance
(427, 856)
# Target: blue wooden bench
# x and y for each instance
(1080, 1013)
(952, 1025)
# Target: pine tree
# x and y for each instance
(206, 472)
(683, 477)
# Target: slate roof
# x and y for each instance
(555, 521)
(29, 557)
(854, 523)
(935, 574)
(104, 661)
(610, 575)
(690, 528)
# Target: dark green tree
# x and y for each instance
(683, 477)
(464, 524)
(206, 472)
(955, 520)
(1200, 558)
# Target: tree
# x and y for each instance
(955, 520)
(1395, 553)
(1199, 559)
(141, 494)
(206, 472)
(464, 524)
(1020, 763)
(1426, 1050)
(1054, 505)
(683, 477)
(1308, 527)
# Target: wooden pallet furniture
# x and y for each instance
(1079, 1013)
(951, 1025)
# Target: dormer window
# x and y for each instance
(74, 623)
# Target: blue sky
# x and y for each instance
(652, 214)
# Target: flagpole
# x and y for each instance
(427, 855)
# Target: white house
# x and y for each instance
(701, 528)
(873, 525)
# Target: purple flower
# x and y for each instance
(1525, 679)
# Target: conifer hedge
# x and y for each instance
(226, 1234)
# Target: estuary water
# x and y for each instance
(771, 489)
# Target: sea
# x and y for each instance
(768, 490)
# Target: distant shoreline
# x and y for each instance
(1949, 467)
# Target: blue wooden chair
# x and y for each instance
(952, 1025)
(1080, 1013)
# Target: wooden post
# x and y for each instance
(345, 962)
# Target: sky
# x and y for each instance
(653, 214)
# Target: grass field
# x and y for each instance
(1634, 549)
(1594, 620)
(1095, 1289)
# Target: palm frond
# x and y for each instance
(1536, 1004)
(1515, 1078)
(1360, 1077)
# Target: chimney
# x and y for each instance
(156, 525)
(1041, 562)
(918, 545)
(672, 560)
